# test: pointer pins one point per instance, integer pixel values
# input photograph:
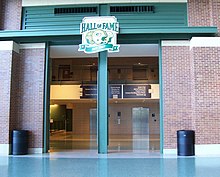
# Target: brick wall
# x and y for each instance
(204, 13)
(15, 65)
(215, 14)
(30, 94)
(10, 14)
(1, 14)
(207, 94)
(191, 91)
(199, 13)
(5, 87)
(176, 63)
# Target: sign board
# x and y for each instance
(115, 91)
(136, 91)
(118, 91)
(99, 34)
(90, 91)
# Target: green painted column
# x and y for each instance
(161, 99)
(102, 102)
(46, 113)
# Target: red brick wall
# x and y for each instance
(177, 92)
(207, 94)
(204, 13)
(1, 14)
(22, 86)
(191, 91)
(199, 13)
(215, 14)
(14, 88)
(5, 87)
(30, 94)
(10, 14)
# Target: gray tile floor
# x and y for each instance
(120, 164)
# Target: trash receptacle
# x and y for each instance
(186, 142)
(19, 142)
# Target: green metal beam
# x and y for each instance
(46, 113)
(161, 99)
(102, 103)
(103, 93)
(168, 30)
(153, 33)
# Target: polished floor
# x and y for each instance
(119, 162)
(62, 141)
(90, 164)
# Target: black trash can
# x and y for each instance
(186, 142)
(19, 142)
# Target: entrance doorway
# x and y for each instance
(134, 119)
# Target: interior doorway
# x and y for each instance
(134, 118)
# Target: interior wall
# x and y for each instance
(126, 68)
(125, 126)
(81, 117)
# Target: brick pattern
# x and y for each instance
(5, 87)
(204, 13)
(177, 93)
(10, 14)
(30, 94)
(198, 13)
(215, 14)
(1, 14)
(207, 94)
(21, 103)
(191, 91)
(14, 88)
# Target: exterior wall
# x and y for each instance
(30, 93)
(9, 56)
(21, 103)
(204, 13)
(5, 64)
(215, 14)
(207, 94)
(1, 14)
(11, 14)
(64, 2)
(14, 88)
(176, 63)
(191, 90)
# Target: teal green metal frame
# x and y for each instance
(46, 111)
(130, 35)
(161, 98)
(102, 103)
(134, 34)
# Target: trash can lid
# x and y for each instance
(185, 132)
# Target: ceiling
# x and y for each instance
(126, 50)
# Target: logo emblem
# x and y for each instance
(99, 34)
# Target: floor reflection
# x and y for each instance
(61, 141)
(24, 166)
